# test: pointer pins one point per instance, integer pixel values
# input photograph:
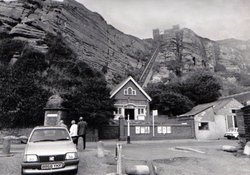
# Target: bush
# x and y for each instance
(8, 48)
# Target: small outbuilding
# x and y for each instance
(212, 120)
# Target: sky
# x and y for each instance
(213, 19)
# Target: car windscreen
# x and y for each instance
(40, 135)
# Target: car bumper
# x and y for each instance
(230, 136)
(35, 168)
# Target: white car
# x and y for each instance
(232, 133)
(50, 150)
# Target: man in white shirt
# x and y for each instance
(73, 131)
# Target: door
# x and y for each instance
(131, 113)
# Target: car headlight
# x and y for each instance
(30, 158)
(70, 156)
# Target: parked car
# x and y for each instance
(50, 150)
(232, 133)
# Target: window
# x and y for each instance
(203, 126)
(129, 91)
(140, 111)
(142, 130)
(235, 122)
(233, 111)
(164, 129)
(119, 111)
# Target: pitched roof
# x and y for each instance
(241, 97)
(216, 105)
(123, 83)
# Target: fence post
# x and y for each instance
(6, 147)
(100, 149)
(119, 159)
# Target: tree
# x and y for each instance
(180, 96)
(202, 87)
(91, 100)
(173, 104)
(83, 89)
(8, 47)
(22, 99)
(26, 86)
(168, 100)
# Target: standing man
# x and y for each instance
(73, 132)
(82, 126)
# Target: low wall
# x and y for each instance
(163, 131)
(14, 132)
(145, 131)
(109, 132)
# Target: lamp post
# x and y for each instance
(128, 133)
(155, 113)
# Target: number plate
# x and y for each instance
(51, 166)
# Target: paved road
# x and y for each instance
(206, 157)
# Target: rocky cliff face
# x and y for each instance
(107, 49)
(87, 33)
(190, 51)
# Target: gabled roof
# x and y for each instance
(123, 83)
(241, 97)
(217, 105)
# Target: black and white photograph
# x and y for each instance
(125, 87)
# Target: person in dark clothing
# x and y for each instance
(81, 131)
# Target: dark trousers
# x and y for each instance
(84, 140)
(75, 139)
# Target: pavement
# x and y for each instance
(111, 144)
(183, 156)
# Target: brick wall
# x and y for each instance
(174, 131)
(161, 131)
(109, 132)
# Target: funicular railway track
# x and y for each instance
(147, 69)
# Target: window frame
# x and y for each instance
(203, 128)
(129, 91)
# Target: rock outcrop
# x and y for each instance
(87, 33)
(191, 52)
(105, 48)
